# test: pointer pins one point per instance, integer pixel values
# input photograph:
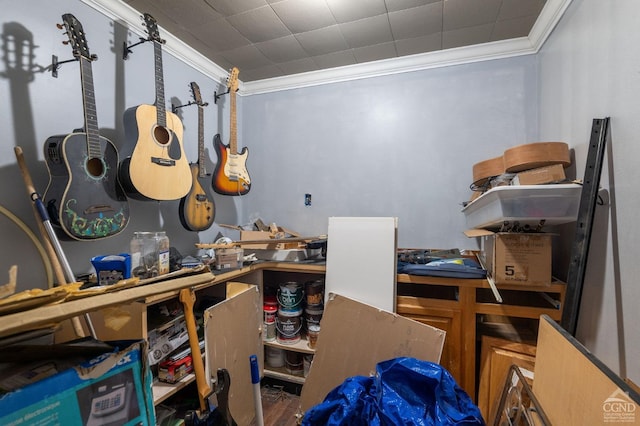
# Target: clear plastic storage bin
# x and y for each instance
(526, 204)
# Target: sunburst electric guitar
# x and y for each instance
(197, 210)
(157, 168)
(230, 176)
(84, 197)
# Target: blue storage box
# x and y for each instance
(112, 268)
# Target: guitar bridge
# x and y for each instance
(100, 208)
(163, 161)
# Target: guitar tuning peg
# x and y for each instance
(60, 26)
(65, 42)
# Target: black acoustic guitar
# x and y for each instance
(157, 168)
(196, 209)
(84, 198)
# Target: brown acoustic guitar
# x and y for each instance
(157, 168)
(196, 209)
(230, 176)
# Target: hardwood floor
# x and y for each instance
(280, 408)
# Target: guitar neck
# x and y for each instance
(233, 139)
(160, 102)
(201, 166)
(90, 112)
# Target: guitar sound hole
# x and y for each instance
(161, 135)
(95, 167)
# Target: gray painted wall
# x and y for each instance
(400, 145)
(589, 69)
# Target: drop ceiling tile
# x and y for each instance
(259, 24)
(283, 49)
(233, 7)
(513, 28)
(395, 5)
(465, 13)
(466, 36)
(335, 59)
(221, 61)
(375, 53)
(220, 35)
(416, 22)
(518, 8)
(248, 57)
(261, 73)
(298, 66)
(192, 12)
(304, 15)
(322, 41)
(352, 10)
(411, 46)
(367, 31)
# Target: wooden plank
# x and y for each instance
(574, 387)
(355, 337)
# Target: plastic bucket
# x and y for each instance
(288, 326)
(290, 296)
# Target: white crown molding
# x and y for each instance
(421, 61)
(121, 12)
(544, 25)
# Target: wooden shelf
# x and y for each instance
(283, 374)
(300, 346)
(162, 391)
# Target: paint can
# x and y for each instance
(313, 315)
(314, 292)
(313, 331)
(307, 359)
(294, 363)
(288, 326)
(290, 296)
(274, 357)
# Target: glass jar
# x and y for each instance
(162, 244)
(149, 254)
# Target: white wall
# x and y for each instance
(590, 68)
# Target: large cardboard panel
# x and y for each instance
(232, 335)
(574, 387)
(362, 259)
(355, 337)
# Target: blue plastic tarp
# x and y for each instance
(404, 391)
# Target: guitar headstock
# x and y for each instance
(195, 90)
(152, 28)
(232, 80)
(76, 35)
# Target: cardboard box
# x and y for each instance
(516, 258)
(112, 385)
(540, 175)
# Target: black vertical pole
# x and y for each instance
(584, 225)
